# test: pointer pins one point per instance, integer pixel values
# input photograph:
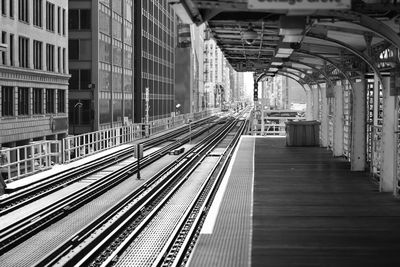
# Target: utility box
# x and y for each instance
(302, 133)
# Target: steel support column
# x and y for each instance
(325, 119)
(387, 181)
(309, 109)
(338, 125)
(315, 93)
(358, 146)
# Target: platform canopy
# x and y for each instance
(308, 40)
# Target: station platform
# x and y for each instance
(297, 206)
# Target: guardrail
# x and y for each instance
(268, 128)
(18, 162)
(25, 160)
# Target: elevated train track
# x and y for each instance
(147, 195)
(60, 180)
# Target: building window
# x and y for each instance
(73, 19)
(23, 56)
(50, 57)
(3, 7)
(63, 60)
(79, 49)
(11, 8)
(3, 53)
(80, 79)
(73, 48)
(37, 13)
(50, 16)
(23, 101)
(85, 19)
(23, 10)
(85, 79)
(61, 101)
(37, 55)
(63, 22)
(59, 20)
(37, 101)
(11, 49)
(7, 103)
(59, 59)
(49, 101)
(79, 19)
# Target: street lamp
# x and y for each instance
(77, 105)
(177, 107)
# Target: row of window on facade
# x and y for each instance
(38, 58)
(23, 101)
(8, 7)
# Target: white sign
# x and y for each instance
(146, 94)
(299, 4)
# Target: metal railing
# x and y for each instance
(376, 162)
(25, 160)
(19, 162)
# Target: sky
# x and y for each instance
(248, 84)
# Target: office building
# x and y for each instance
(189, 84)
(101, 43)
(33, 71)
(155, 35)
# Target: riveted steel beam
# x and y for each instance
(372, 24)
(347, 77)
(351, 49)
(315, 69)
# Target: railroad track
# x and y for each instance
(103, 241)
(17, 232)
(60, 180)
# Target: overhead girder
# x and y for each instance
(370, 23)
(224, 16)
(329, 61)
(310, 77)
(354, 51)
(315, 69)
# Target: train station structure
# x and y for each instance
(343, 53)
(332, 199)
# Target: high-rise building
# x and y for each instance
(214, 73)
(155, 36)
(33, 71)
(188, 67)
(101, 44)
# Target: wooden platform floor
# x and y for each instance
(310, 210)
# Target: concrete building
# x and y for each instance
(213, 73)
(101, 45)
(33, 71)
(189, 84)
(155, 35)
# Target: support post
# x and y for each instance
(315, 94)
(388, 180)
(358, 154)
(309, 108)
(325, 118)
(338, 126)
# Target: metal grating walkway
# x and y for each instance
(308, 209)
(227, 242)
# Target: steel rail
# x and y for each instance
(21, 230)
(177, 249)
(189, 159)
(60, 180)
(88, 230)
